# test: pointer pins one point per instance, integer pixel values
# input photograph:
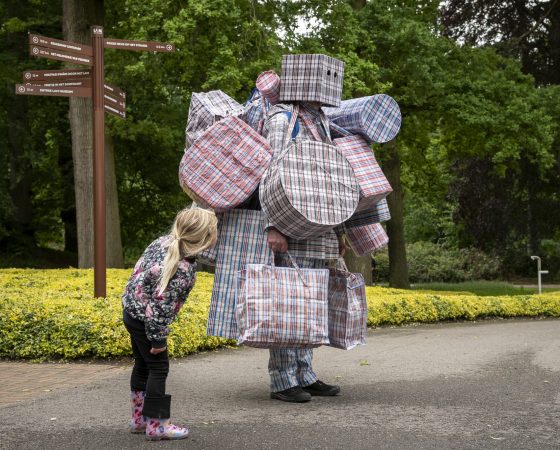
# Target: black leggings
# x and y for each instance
(149, 372)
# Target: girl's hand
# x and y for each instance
(157, 351)
(277, 241)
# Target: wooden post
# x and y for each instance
(99, 212)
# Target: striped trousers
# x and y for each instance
(289, 367)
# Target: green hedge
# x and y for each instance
(51, 314)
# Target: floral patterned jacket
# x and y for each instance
(141, 300)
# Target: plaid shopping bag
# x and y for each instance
(379, 213)
(255, 110)
(366, 239)
(347, 309)
(309, 189)
(268, 84)
(241, 241)
(224, 166)
(373, 183)
(311, 78)
(282, 306)
(207, 108)
(376, 118)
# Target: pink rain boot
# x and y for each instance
(162, 429)
(137, 422)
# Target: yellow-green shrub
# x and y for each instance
(53, 314)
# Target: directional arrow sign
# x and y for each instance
(57, 44)
(55, 75)
(113, 101)
(114, 111)
(116, 91)
(139, 46)
(22, 89)
(58, 55)
(69, 83)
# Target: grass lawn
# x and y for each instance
(480, 288)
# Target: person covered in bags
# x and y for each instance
(302, 83)
(159, 285)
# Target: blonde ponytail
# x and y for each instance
(193, 230)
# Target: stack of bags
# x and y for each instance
(306, 189)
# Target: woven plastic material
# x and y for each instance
(241, 241)
(311, 78)
(371, 180)
(255, 110)
(309, 189)
(224, 166)
(207, 108)
(376, 118)
(379, 213)
(347, 309)
(268, 83)
(282, 307)
(366, 239)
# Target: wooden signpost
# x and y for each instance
(90, 83)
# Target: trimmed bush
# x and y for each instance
(52, 314)
(429, 262)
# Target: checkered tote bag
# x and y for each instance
(376, 118)
(373, 183)
(309, 189)
(366, 239)
(224, 166)
(207, 108)
(379, 213)
(347, 309)
(282, 306)
(255, 110)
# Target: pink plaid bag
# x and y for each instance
(373, 183)
(282, 306)
(225, 164)
(366, 239)
(268, 83)
(347, 309)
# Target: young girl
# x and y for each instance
(154, 294)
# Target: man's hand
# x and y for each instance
(277, 241)
(341, 246)
(157, 351)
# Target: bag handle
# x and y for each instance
(338, 129)
(291, 125)
(293, 263)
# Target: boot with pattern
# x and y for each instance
(162, 429)
(137, 423)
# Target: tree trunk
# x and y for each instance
(78, 17)
(398, 267)
(359, 264)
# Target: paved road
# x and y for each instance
(486, 385)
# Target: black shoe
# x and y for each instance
(322, 389)
(294, 394)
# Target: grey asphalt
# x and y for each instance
(484, 385)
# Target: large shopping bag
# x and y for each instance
(241, 241)
(224, 166)
(282, 306)
(377, 118)
(373, 183)
(367, 239)
(205, 110)
(347, 309)
(309, 189)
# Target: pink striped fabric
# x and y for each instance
(373, 183)
(347, 309)
(367, 239)
(225, 164)
(282, 307)
(268, 83)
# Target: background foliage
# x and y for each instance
(477, 83)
